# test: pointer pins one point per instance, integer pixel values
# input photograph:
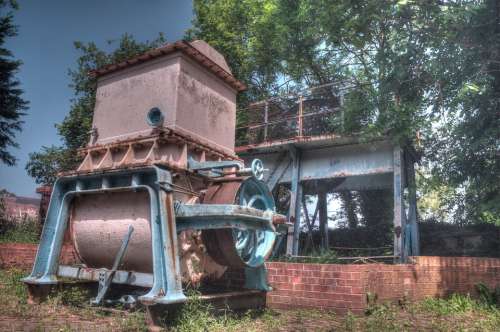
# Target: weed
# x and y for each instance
(198, 316)
(383, 318)
(457, 303)
(134, 321)
(371, 300)
(25, 230)
(75, 295)
(12, 285)
(350, 322)
(271, 319)
(490, 297)
(457, 313)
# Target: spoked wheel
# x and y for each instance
(240, 247)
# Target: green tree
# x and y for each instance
(12, 105)
(292, 44)
(74, 130)
(463, 151)
(429, 67)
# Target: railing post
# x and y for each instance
(301, 117)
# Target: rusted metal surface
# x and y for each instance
(98, 223)
(306, 142)
(367, 162)
(163, 135)
(314, 112)
(399, 208)
(222, 193)
(222, 244)
(120, 277)
(165, 146)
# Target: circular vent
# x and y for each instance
(155, 117)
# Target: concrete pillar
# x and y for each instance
(323, 218)
(399, 211)
(292, 247)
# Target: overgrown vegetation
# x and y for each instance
(69, 310)
(18, 230)
(424, 72)
(24, 230)
(66, 309)
(197, 316)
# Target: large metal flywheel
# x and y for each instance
(240, 247)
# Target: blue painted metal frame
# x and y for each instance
(167, 285)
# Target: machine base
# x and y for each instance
(158, 314)
(38, 293)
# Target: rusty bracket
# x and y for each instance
(105, 277)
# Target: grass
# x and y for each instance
(24, 230)
(69, 310)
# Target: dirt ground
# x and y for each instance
(68, 310)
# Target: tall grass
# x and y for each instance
(19, 230)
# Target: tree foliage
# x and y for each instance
(427, 69)
(282, 46)
(74, 130)
(464, 151)
(12, 105)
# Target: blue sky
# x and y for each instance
(47, 30)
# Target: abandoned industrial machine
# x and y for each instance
(160, 198)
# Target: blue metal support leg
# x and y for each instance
(256, 278)
(165, 225)
(168, 250)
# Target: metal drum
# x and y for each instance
(99, 222)
(235, 247)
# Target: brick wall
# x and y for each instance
(341, 287)
(344, 287)
(22, 255)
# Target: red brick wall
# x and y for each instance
(344, 287)
(327, 286)
(22, 255)
(340, 287)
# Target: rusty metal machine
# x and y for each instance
(160, 198)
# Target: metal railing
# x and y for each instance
(313, 112)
